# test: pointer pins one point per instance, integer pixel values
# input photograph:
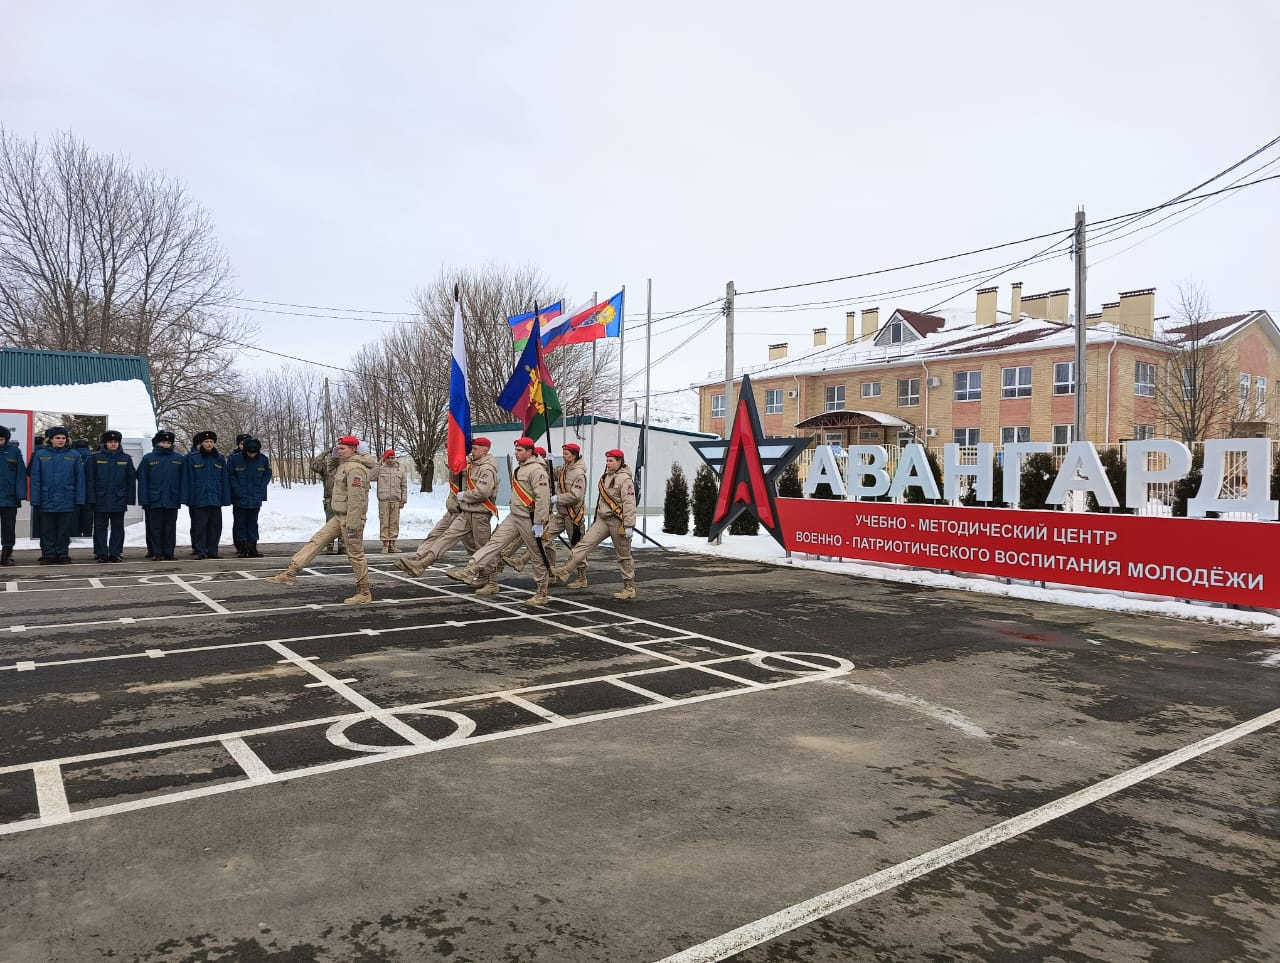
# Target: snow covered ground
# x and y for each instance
(293, 515)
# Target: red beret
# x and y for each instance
(540, 451)
(614, 453)
(389, 453)
(351, 441)
(525, 442)
(481, 441)
(573, 448)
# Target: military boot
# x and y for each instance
(488, 588)
(581, 581)
(628, 590)
(253, 551)
(6, 556)
(539, 597)
(468, 575)
(561, 574)
(412, 564)
(517, 563)
(288, 577)
(362, 596)
(241, 551)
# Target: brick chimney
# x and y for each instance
(987, 306)
(1037, 306)
(819, 337)
(1111, 312)
(870, 323)
(1138, 312)
(777, 351)
(1059, 305)
(1015, 301)
(850, 327)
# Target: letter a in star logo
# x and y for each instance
(748, 467)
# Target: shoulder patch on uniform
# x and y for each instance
(355, 480)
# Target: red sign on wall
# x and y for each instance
(1189, 558)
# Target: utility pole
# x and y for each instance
(328, 418)
(728, 360)
(1082, 328)
(644, 425)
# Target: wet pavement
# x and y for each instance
(197, 765)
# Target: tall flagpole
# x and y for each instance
(642, 457)
(622, 342)
(591, 438)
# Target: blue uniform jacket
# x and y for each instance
(13, 476)
(110, 480)
(208, 482)
(249, 479)
(160, 478)
(57, 480)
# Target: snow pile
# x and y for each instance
(126, 404)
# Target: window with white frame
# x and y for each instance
(835, 397)
(1246, 381)
(895, 333)
(968, 386)
(871, 389)
(1064, 434)
(968, 437)
(908, 392)
(1260, 396)
(1015, 382)
(1064, 378)
(1188, 384)
(1144, 379)
(717, 406)
(905, 437)
(1143, 432)
(834, 438)
(1016, 433)
(773, 401)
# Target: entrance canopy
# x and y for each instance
(849, 418)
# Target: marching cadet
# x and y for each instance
(250, 473)
(350, 507)
(392, 493)
(477, 509)
(111, 485)
(13, 489)
(568, 500)
(207, 488)
(160, 478)
(615, 520)
(326, 466)
(526, 522)
(57, 492)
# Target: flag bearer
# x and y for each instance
(615, 520)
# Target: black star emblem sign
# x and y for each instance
(749, 465)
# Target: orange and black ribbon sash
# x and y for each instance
(471, 486)
(578, 512)
(605, 497)
(526, 497)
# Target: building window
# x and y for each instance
(1009, 436)
(717, 406)
(968, 386)
(1245, 382)
(895, 333)
(1064, 434)
(1188, 384)
(1015, 382)
(1144, 379)
(871, 389)
(908, 392)
(1064, 378)
(835, 398)
(773, 401)
(968, 437)
(1143, 432)
(1260, 396)
(905, 437)
(870, 434)
(834, 438)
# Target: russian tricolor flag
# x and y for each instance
(458, 442)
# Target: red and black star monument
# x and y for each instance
(749, 465)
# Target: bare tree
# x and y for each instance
(1195, 396)
(97, 257)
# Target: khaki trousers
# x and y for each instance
(332, 529)
(514, 530)
(601, 529)
(388, 520)
(470, 528)
(557, 524)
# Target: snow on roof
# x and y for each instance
(126, 404)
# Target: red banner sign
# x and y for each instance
(1189, 558)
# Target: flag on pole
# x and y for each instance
(554, 331)
(637, 471)
(530, 393)
(458, 435)
(603, 320)
(522, 323)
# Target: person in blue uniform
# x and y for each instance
(111, 486)
(160, 476)
(57, 491)
(250, 475)
(207, 489)
(13, 489)
(82, 527)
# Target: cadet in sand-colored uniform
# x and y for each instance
(350, 507)
(568, 511)
(393, 492)
(615, 520)
(473, 521)
(326, 466)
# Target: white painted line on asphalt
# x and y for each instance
(25, 666)
(647, 693)
(319, 685)
(96, 583)
(803, 913)
(11, 586)
(153, 653)
(126, 620)
(177, 579)
(370, 632)
(533, 707)
(51, 793)
(17, 628)
(247, 759)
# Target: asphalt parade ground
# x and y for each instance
(748, 762)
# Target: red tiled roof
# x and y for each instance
(1199, 330)
(925, 324)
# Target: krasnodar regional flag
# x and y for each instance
(458, 442)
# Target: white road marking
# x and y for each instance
(11, 586)
(803, 913)
(25, 666)
(96, 583)
(320, 685)
(247, 759)
(943, 714)
(17, 628)
(177, 579)
(647, 693)
(533, 707)
(153, 653)
(51, 793)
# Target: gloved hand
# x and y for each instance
(465, 496)
(554, 499)
(538, 530)
(630, 532)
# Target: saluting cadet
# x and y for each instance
(474, 519)
(615, 520)
(57, 491)
(526, 522)
(111, 484)
(350, 508)
(392, 493)
(160, 480)
(250, 473)
(207, 488)
(13, 489)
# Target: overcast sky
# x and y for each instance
(349, 153)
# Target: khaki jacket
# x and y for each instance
(571, 488)
(621, 488)
(484, 472)
(326, 466)
(532, 477)
(351, 491)
(392, 484)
